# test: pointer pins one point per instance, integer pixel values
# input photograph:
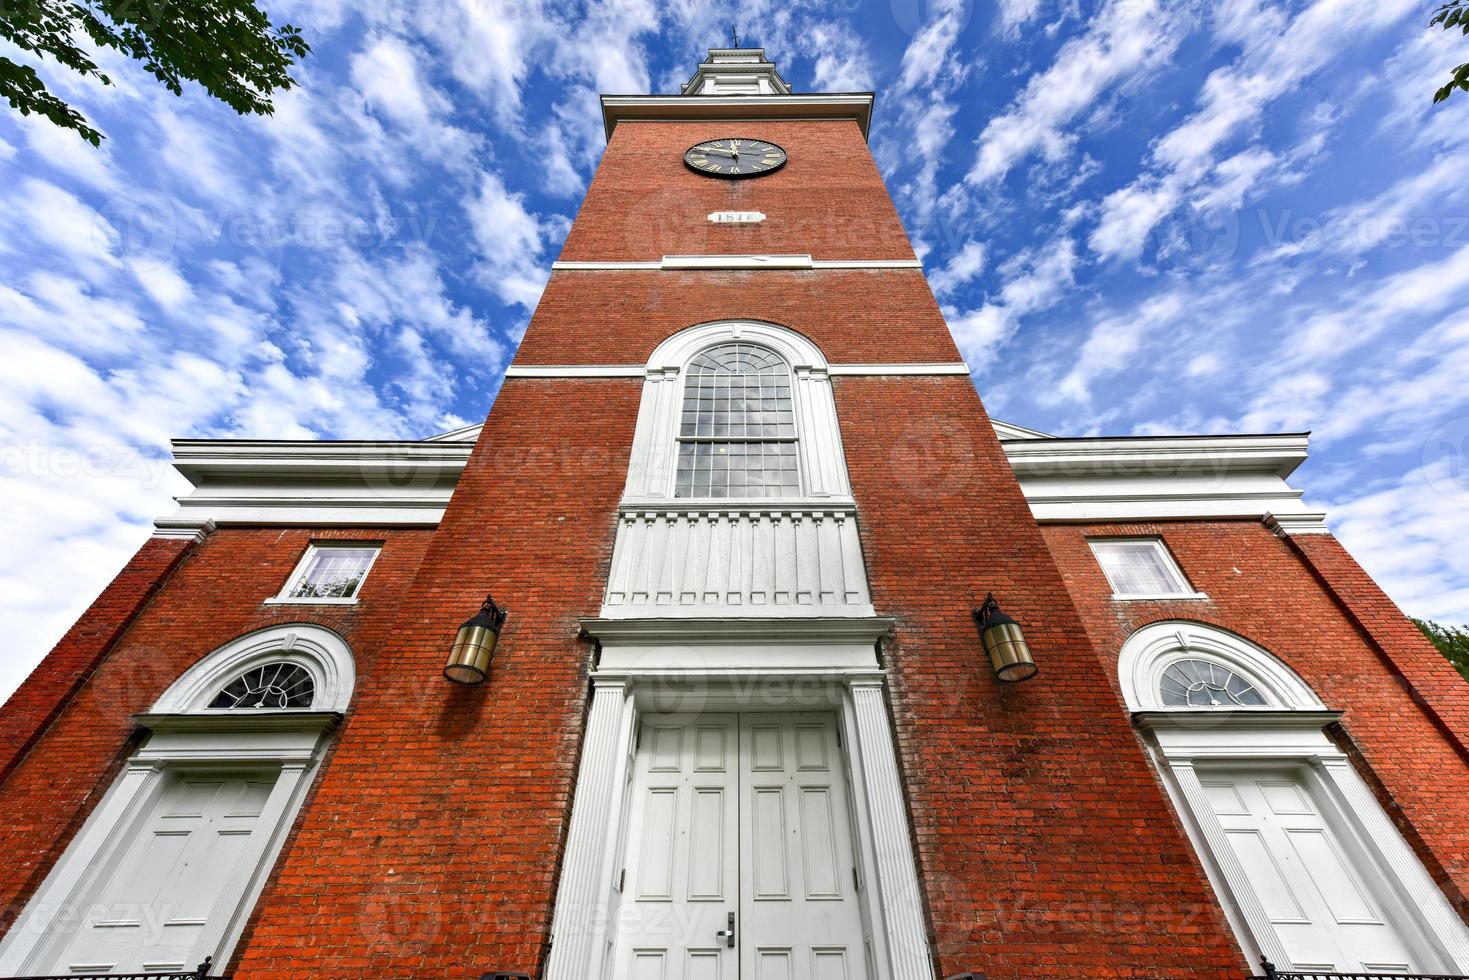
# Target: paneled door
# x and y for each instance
(152, 905)
(1319, 902)
(739, 857)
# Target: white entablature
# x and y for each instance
(1127, 478)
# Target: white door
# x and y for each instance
(739, 859)
(1319, 903)
(150, 908)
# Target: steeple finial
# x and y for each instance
(734, 38)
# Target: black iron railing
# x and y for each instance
(200, 972)
(1271, 973)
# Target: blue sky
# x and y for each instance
(1141, 216)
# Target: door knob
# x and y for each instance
(728, 935)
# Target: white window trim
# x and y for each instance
(653, 467)
(185, 738)
(838, 672)
(1289, 734)
(1186, 589)
(285, 597)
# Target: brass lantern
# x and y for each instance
(1004, 643)
(474, 646)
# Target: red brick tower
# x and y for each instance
(740, 498)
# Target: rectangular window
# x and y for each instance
(330, 573)
(1141, 568)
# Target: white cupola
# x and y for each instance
(736, 71)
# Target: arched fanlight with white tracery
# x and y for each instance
(276, 685)
(1195, 683)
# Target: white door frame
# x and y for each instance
(1186, 743)
(286, 742)
(747, 666)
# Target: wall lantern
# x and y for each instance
(474, 646)
(1004, 642)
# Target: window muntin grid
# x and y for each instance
(737, 431)
(273, 685)
(1139, 568)
(332, 572)
(1205, 684)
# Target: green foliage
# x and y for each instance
(1451, 641)
(227, 46)
(1452, 15)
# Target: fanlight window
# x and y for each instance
(1204, 684)
(273, 685)
(737, 434)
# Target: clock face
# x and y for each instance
(735, 157)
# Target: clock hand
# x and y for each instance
(718, 149)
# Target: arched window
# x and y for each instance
(737, 432)
(737, 409)
(1207, 684)
(215, 786)
(1181, 666)
(279, 684)
(1275, 809)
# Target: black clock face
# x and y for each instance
(735, 158)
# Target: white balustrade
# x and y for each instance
(752, 559)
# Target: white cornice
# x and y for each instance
(575, 371)
(315, 483)
(740, 630)
(1294, 525)
(366, 484)
(921, 368)
(638, 371)
(1278, 453)
(1161, 479)
(725, 263)
(856, 106)
(193, 529)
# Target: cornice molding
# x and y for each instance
(1278, 453)
(637, 371)
(739, 630)
(856, 106)
(1294, 525)
(726, 263)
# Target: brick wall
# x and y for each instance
(212, 597)
(1260, 587)
(853, 316)
(432, 845)
(1046, 846)
(828, 200)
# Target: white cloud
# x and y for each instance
(1408, 536)
(1034, 280)
(1112, 345)
(963, 267)
(510, 241)
(1272, 64)
(1014, 13)
(1126, 38)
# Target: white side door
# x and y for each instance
(739, 824)
(800, 916)
(151, 908)
(1321, 905)
(681, 874)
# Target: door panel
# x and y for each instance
(1319, 904)
(801, 918)
(745, 816)
(149, 913)
(682, 859)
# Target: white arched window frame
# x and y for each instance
(189, 739)
(654, 464)
(1286, 736)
